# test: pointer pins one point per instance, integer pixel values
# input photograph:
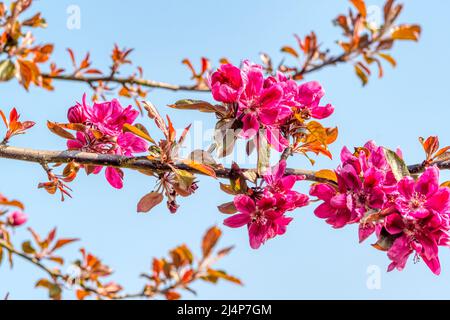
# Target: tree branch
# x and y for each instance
(174, 87)
(123, 81)
(143, 163)
(57, 275)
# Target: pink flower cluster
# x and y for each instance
(264, 212)
(104, 133)
(266, 102)
(408, 216)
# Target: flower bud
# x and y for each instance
(76, 114)
(172, 206)
(17, 218)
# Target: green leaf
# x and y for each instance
(398, 166)
(7, 70)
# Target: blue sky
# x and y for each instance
(311, 260)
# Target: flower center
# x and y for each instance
(417, 201)
(258, 217)
(360, 198)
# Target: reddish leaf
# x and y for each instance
(63, 242)
(227, 208)
(210, 240)
(82, 294)
(58, 130)
(290, 51)
(149, 201)
(360, 6)
(172, 295)
(406, 32)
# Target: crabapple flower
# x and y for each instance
(308, 97)
(17, 218)
(264, 212)
(258, 103)
(360, 188)
(280, 187)
(263, 221)
(226, 83)
(407, 216)
(421, 223)
(418, 200)
(104, 134)
(266, 103)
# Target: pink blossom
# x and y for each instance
(309, 95)
(422, 222)
(108, 118)
(280, 187)
(419, 199)
(264, 213)
(408, 216)
(258, 105)
(226, 83)
(266, 104)
(263, 222)
(359, 189)
(17, 218)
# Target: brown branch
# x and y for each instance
(174, 87)
(57, 275)
(143, 294)
(329, 62)
(33, 260)
(129, 80)
(143, 163)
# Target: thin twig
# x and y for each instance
(129, 80)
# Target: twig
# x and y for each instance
(57, 275)
(129, 80)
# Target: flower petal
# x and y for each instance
(237, 220)
(245, 204)
(324, 211)
(428, 182)
(114, 177)
(322, 191)
(251, 126)
(322, 112)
